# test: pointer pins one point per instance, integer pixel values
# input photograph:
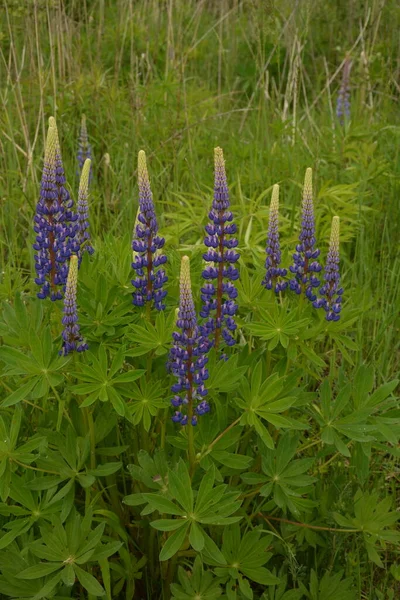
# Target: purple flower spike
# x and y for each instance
(219, 293)
(187, 360)
(305, 264)
(72, 340)
(343, 99)
(146, 246)
(84, 148)
(83, 235)
(54, 223)
(331, 290)
(272, 279)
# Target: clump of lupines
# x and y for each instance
(187, 360)
(72, 340)
(84, 148)
(83, 235)
(147, 246)
(305, 266)
(343, 99)
(219, 293)
(331, 290)
(54, 223)
(272, 279)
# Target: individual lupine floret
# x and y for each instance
(331, 290)
(273, 277)
(83, 235)
(343, 99)
(187, 360)
(305, 263)
(53, 223)
(84, 148)
(219, 292)
(146, 246)
(72, 339)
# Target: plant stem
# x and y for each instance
(92, 436)
(317, 527)
(210, 447)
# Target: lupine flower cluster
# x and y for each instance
(147, 245)
(54, 223)
(72, 339)
(84, 148)
(187, 360)
(83, 235)
(331, 290)
(274, 273)
(343, 99)
(305, 265)
(219, 293)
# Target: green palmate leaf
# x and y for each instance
(20, 394)
(39, 570)
(197, 584)
(88, 582)
(196, 537)
(162, 504)
(173, 543)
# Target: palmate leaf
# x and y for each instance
(197, 584)
(146, 398)
(263, 399)
(373, 518)
(212, 506)
(244, 557)
(149, 337)
(277, 327)
(104, 381)
(284, 479)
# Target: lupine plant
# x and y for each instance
(138, 464)
(72, 339)
(84, 149)
(343, 99)
(273, 279)
(219, 292)
(147, 244)
(83, 235)
(305, 264)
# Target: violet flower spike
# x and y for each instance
(219, 293)
(53, 223)
(305, 266)
(273, 277)
(343, 99)
(72, 340)
(84, 148)
(146, 246)
(83, 235)
(331, 291)
(187, 358)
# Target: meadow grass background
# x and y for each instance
(179, 77)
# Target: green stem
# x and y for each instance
(92, 437)
(317, 527)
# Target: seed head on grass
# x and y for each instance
(331, 290)
(219, 292)
(72, 340)
(83, 235)
(305, 264)
(273, 277)
(187, 358)
(146, 246)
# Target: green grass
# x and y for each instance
(260, 79)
